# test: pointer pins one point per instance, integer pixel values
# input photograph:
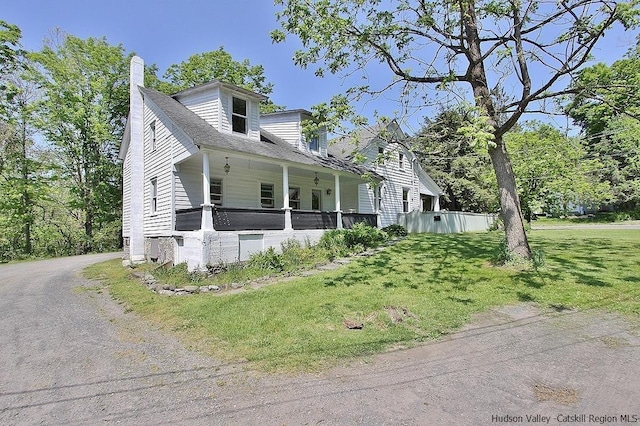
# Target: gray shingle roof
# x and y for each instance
(346, 146)
(269, 145)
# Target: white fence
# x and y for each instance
(445, 222)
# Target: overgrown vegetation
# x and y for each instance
(424, 286)
(291, 257)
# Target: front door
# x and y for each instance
(316, 199)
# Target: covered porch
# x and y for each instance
(219, 191)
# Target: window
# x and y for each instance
(316, 199)
(405, 200)
(215, 189)
(154, 195)
(266, 196)
(378, 190)
(294, 198)
(152, 135)
(401, 161)
(380, 150)
(239, 116)
(314, 143)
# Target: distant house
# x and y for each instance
(206, 179)
(406, 186)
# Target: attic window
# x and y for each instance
(401, 161)
(239, 116)
(314, 143)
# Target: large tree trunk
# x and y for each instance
(516, 237)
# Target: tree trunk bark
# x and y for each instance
(511, 213)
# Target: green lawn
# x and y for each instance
(423, 287)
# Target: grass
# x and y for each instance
(598, 218)
(423, 287)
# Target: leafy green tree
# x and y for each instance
(553, 172)
(23, 176)
(607, 107)
(477, 45)
(215, 65)
(461, 170)
(82, 114)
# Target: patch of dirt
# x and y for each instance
(560, 395)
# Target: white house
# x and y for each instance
(406, 186)
(207, 180)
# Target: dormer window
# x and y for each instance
(239, 116)
(314, 143)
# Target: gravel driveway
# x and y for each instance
(70, 355)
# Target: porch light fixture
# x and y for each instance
(227, 167)
(316, 180)
(328, 191)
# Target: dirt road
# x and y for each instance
(70, 355)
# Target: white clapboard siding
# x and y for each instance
(253, 114)
(285, 126)
(396, 179)
(158, 165)
(205, 104)
(126, 196)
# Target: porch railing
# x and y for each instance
(301, 219)
(350, 219)
(239, 219)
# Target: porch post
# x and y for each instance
(376, 203)
(436, 203)
(285, 192)
(338, 208)
(206, 223)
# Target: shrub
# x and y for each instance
(364, 235)
(267, 260)
(341, 242)
(395, 230)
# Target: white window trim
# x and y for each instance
(407, 201)
(273, 185)
(212, 178)
(153, 137)
(153, 199)
(299, 200)
(246, 116)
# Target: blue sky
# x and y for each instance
(165, 32)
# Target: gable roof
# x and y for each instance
(270, 146)
(347, 146)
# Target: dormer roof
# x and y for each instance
(215, 84)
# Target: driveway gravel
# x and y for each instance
(70, 355)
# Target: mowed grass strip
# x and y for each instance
(423, 287)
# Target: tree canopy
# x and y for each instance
(214, 65)
(607, 107)
(485, 46)
(554, 172)
(461, 170)
(82, 114)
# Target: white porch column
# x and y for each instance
(436, 203)
(285, 192)
(207, 208)
(376, 203)
(338, 207)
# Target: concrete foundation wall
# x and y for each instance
(199, 249)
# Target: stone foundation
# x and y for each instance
(159, 249)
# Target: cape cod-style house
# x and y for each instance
(406, 186)
(207, 179)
